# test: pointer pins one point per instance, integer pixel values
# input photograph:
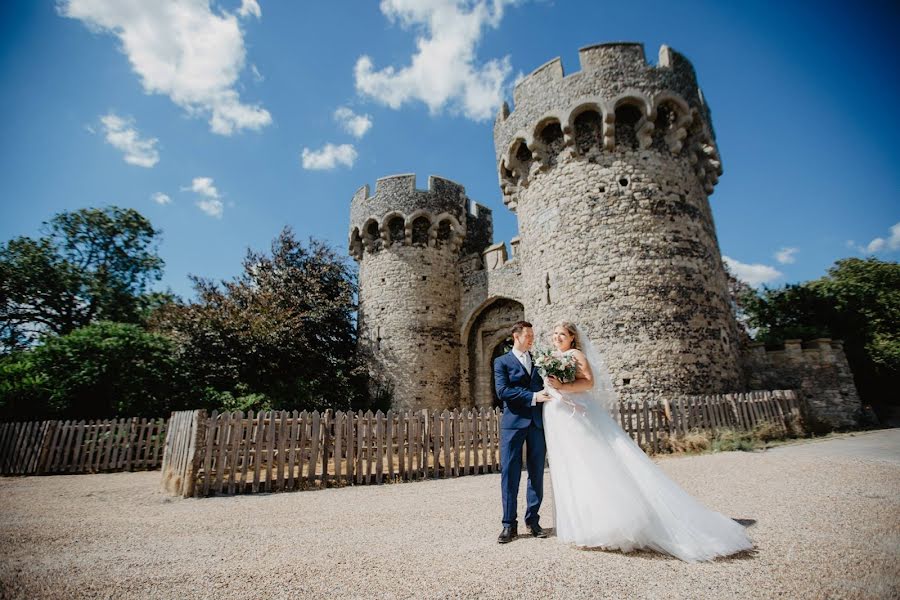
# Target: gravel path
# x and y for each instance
(827, 525)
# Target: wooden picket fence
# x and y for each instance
(233, 453)
(648, 422)
(95, 446)
(283, 451)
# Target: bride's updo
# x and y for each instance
(573, 331)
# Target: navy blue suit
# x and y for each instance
(520, 424)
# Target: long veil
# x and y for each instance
(603, 393)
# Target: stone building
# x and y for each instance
(608, 170)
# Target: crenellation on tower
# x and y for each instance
(479, 229)
(616, 100)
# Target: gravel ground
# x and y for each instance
(827, 525)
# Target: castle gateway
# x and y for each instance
(609, 171)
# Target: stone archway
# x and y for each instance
(486, 340)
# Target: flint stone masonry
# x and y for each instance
(819, 370)
(608, 170)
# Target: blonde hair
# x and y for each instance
(571, 328)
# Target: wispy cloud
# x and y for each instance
(329, 157)
(879, 244)
(250, 7)
(211, 206)
(204, 186)
(211, 203)
(444, 71)
(786, 256)
(182, 49)
(754, 274)
(121, 134)
(354, 124)
(161, 198)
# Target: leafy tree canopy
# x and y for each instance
(89, 265)
(280, 335)
(102, 370)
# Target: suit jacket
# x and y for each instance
(516, 388)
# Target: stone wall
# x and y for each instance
(408, 322)
(819, 371)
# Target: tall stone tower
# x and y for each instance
(408, 242)
(608, 170)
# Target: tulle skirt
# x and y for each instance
(607, 493)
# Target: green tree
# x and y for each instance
(858, 301)
(102, 370)
(281, 335)
(89, 265)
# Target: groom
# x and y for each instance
(520, 388)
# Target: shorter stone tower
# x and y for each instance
(408, 242)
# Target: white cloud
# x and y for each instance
(182, 49)
(879, 244)
(354, 124)
(250, 7)
(121, 134)
(204, 186)
(211, 203)
(755, 274)
(161, 198)
(329, 157)
(444, 70)
(785, 256)
(211, 206)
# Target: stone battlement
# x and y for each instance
(609, 69)
(789, 347)
(819, 370)
(399, 193)
(399, 213)
(617, 102)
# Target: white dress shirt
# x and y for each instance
(525, 359)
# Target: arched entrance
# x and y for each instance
(487, 338)
(499, 349)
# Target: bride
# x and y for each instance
(606, 492)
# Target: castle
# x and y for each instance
(608, 170)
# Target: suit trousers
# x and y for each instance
(511, 442)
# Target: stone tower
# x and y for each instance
(608, 171)
(408, 242)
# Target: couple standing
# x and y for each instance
(607, 493)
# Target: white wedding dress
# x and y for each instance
(607, 493)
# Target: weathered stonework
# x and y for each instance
(408, 242)
(608, 171)
(819, 371)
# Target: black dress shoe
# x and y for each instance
(537, 531)
(508, 534)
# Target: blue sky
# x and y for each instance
(212, 104)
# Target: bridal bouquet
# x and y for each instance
(555, 363)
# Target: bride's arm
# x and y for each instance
(584, 378)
